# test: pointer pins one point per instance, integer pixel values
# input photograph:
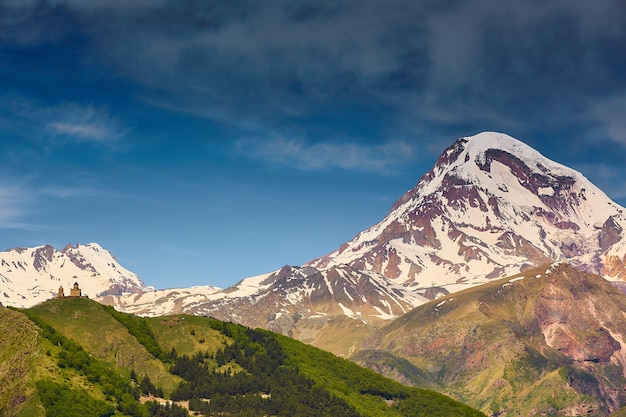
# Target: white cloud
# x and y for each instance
(82, 131)
(83, 124)
(324, 155)
(26, 196)
(63, 122)
(8, 202)
(69, 191)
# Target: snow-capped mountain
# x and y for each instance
(300, 302)
(282, 298)
(31, 275)
(490, 207)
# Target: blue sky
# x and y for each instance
(202, 142)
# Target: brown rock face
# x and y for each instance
(42, 256)
(614, 266)
(610, 234)
(78, 260)
(569, 330)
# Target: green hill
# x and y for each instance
(75, 357)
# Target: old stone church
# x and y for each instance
(75, 292)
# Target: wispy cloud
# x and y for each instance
(83, 124)
(80, 131)
(9, 202)
(26, 195)
(300, 154)
(467, 65)
(65, 122)
(69, 191)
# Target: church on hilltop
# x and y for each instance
(75, 292)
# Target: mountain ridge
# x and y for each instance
(490, 207)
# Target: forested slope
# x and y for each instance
(84, 359)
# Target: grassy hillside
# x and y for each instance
(18, 348)
(101, 335)
(369, 392)
(186, 334)
(78, 358)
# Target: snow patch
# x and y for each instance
(545, 191)
(346, 311)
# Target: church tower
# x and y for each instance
(75, 292)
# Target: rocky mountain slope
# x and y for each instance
(490, 207)
(301, 302)
(32, 275)
(550, 341)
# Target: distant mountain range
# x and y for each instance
(422, 296)
(490, 207)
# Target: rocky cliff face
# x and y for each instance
(490, 207)
(548, 341)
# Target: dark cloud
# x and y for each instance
(427, 66)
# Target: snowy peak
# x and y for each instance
(504, 167)
(308, 292)
(297, 301)
(491, 206)
(32, 275)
